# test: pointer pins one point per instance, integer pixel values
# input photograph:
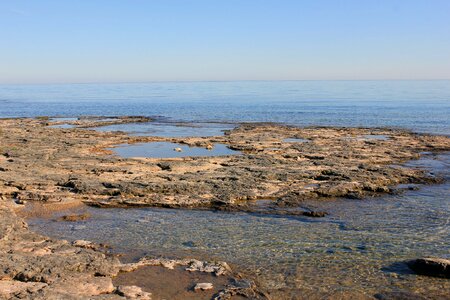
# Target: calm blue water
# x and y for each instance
(423, 106)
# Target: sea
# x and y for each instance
(422, 106)
(358, 250)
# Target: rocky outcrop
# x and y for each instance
(40, 163)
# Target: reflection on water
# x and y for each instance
(169, 129)
(63, 126)
(170, 150)
(380, 137)
(57, 119)
(356, 248)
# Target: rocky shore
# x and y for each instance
(271, 175)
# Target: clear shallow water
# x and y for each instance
(419, 105)
(63, 126)
(167, 150)
(357, 248)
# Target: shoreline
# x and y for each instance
(43, 172)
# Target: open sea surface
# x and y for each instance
(422, 106)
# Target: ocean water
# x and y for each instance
(422, 106)
(360, 247)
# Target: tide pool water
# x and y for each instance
(169, 150)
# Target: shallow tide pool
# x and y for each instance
(169, 150)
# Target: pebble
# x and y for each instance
(203, 286)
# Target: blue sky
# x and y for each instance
(136, 41)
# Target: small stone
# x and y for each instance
(74, 217)
(84, 244)
(203, 286)
(79, 227)
(315, 214)
(178, 149)
(133, 292)
(209, 147)
(20, 201)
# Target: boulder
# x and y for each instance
(431, 266)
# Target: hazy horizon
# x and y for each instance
(212, 81)
(53, 42)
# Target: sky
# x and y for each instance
(181, 40)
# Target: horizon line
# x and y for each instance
(206, 80)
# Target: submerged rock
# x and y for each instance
(75, 217)
(315, 214)
(431, 266)
(398, 295)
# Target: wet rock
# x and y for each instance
(315, 214)
(244, 288)
(75, 217)
(431, 266)
(217, 268)
(398, 295)
(84, 187)
(192, 265)
(89, 245)
(203, 286)
(190, 244)
(165, 166)
(133, 292)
